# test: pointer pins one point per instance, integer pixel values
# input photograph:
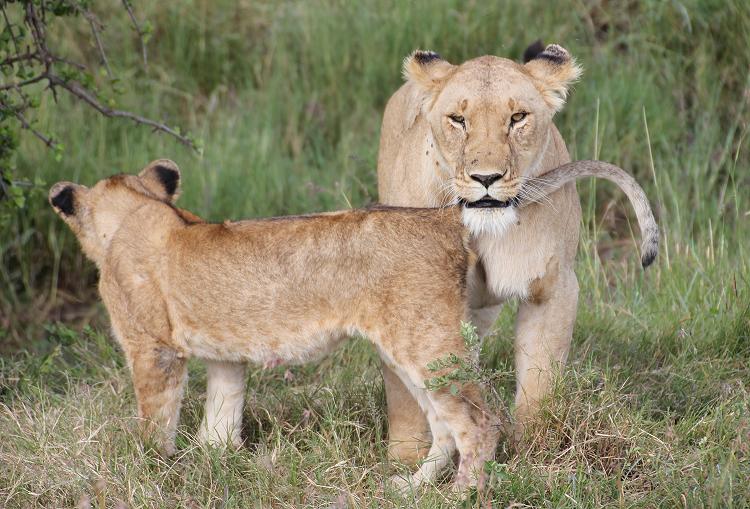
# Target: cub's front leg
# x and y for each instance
(225, 394)
(159, 374)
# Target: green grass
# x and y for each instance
(287, 98)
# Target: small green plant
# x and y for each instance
(456, 370)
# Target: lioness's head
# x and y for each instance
(491, 121)
(95, 214)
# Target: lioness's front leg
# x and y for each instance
(544, 329)
(409, 435)
(483, 305)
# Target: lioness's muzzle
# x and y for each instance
(488, 202)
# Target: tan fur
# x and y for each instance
(281, 290)
(448, 123)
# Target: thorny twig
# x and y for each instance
(7, 23)
(96, 27)
(21, 84)
(141, 33)
(25, 124)
(17, 58)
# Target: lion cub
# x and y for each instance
(280, 290)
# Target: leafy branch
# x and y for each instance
(28, 59)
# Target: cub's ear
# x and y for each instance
(554, 70)
(162, 177)
(65, 198)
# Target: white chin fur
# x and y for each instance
(489, 221)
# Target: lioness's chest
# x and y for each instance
(511, 265)
(522, 255)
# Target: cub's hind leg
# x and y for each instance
(459, 421)
(225, 394)
(408, 429)
(443, 446)
(475, 431)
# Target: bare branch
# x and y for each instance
(37, 32)
(10, 29)
(137, 26)
(78, 66)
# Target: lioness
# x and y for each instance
(475, 133)
(280, 290)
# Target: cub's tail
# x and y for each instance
(561, 175)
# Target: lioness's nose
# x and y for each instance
(486, 180)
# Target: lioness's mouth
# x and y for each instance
(487, 202)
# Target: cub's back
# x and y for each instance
(382, 232)
(290, 264)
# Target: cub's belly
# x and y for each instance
(267, 348)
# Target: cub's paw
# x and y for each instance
(403, 484)
(213, 438)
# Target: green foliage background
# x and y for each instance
(287, 99)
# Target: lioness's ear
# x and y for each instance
(162, 177)
(554, 70)
(428, 72)
(427, 69)
(65, 198)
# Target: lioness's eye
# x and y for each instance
(458, 119)
(517, 117)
